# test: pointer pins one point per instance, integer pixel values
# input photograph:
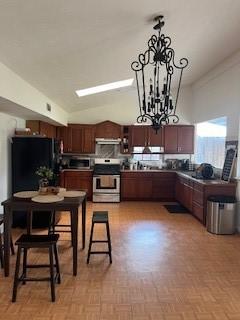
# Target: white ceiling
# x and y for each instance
(60, 46)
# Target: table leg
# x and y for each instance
(29, 222)
(6, 244)
(74, 223)
(83, 223)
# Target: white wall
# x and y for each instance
(17, 90)
(125, 110)
(7, 127)
(217, 94)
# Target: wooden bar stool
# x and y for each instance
(26, 242)
(100, 217)
(56, 227)
(1, 244)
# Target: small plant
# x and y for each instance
(45, 173)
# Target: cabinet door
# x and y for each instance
(198, 211)
(129, 188)
(77, 141)
(88, 139)
(163, 187)
(155, 139)
(171, 139)
(139, 136)
(185, 139)
(77, 180)
(144, 188)
(47, 129)
(65, 134)
(108, 130)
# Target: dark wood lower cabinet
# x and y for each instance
(147, 186)
(76, 180)
(172, 186)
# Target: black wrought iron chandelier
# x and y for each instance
(155, 99)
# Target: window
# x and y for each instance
(210, 142)
(146, 156)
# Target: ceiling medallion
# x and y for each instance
(156, 102)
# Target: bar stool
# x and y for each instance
(26, 242)
(54, 226)
(1, 243)
(100, 217)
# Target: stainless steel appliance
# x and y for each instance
(79, 163)
(106, 180)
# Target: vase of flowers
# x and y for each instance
(46, 177)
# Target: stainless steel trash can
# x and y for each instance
(221, 214)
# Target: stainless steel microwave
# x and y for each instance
(79, 163)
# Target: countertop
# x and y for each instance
(186, 174)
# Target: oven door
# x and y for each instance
(106, 184)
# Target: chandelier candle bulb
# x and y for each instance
(160, 109)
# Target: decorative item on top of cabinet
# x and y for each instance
(41, 128)
(179, 139)
(108, 130)
(126, 139)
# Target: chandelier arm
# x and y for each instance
(144, 93)
(179, 85)
(139, 100)
(154, 88)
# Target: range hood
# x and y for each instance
(108, 141)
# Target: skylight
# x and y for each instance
(104, 87)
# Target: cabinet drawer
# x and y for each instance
(198, 196)
(198, 211)
(78, 174)
(137, 175)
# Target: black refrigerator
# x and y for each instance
(28, 154)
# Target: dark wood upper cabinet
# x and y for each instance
(171, 139)
(77, 138)
(155, 139)
(65, 135)
(179, 139)
(139, 136)
(145, 136)
(42, 128)
(88, 139)
(186, 139)
(108, 130)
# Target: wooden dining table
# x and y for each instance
(67, 204)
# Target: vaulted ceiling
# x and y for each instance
(59, 46)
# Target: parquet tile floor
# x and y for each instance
(165, 266)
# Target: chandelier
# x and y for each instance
(155, 99)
